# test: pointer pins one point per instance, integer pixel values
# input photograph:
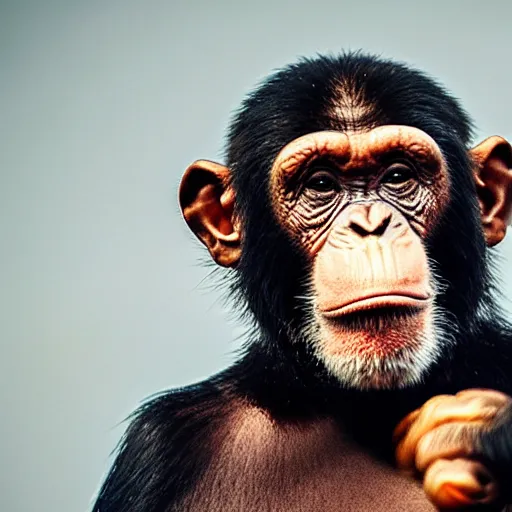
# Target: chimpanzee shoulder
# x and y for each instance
(164, 449)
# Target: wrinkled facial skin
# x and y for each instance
(360, 207)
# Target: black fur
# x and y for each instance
(167, 446)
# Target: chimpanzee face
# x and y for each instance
(359, 205)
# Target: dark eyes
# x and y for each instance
(323, 182)
(397, 174)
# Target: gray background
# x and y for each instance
(102, 106)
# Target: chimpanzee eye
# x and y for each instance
(397, 174)
(322, 181)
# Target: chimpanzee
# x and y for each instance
(356, 223)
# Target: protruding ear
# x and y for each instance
(493, 176)
(207, 201)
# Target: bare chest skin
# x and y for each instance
(262, 467)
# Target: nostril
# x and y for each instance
(368, 229)
(357, 228)
(381, 229)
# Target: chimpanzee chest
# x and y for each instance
(260, 467)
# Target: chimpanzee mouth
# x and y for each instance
(379, 303)
(376, 319)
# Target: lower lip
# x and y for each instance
(382, 301)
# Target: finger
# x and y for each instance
(436, 413)
(459, 483)
(402, 428)
(406, 423)
(448, 441)
(491, 396)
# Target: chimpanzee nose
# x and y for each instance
(369, 219)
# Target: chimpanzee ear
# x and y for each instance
(207, 201)
(493, 177)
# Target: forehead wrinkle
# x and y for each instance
(299, 151)
(369, 148)
(356, 148)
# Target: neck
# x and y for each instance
(292, 390)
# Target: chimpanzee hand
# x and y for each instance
(461, 445)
